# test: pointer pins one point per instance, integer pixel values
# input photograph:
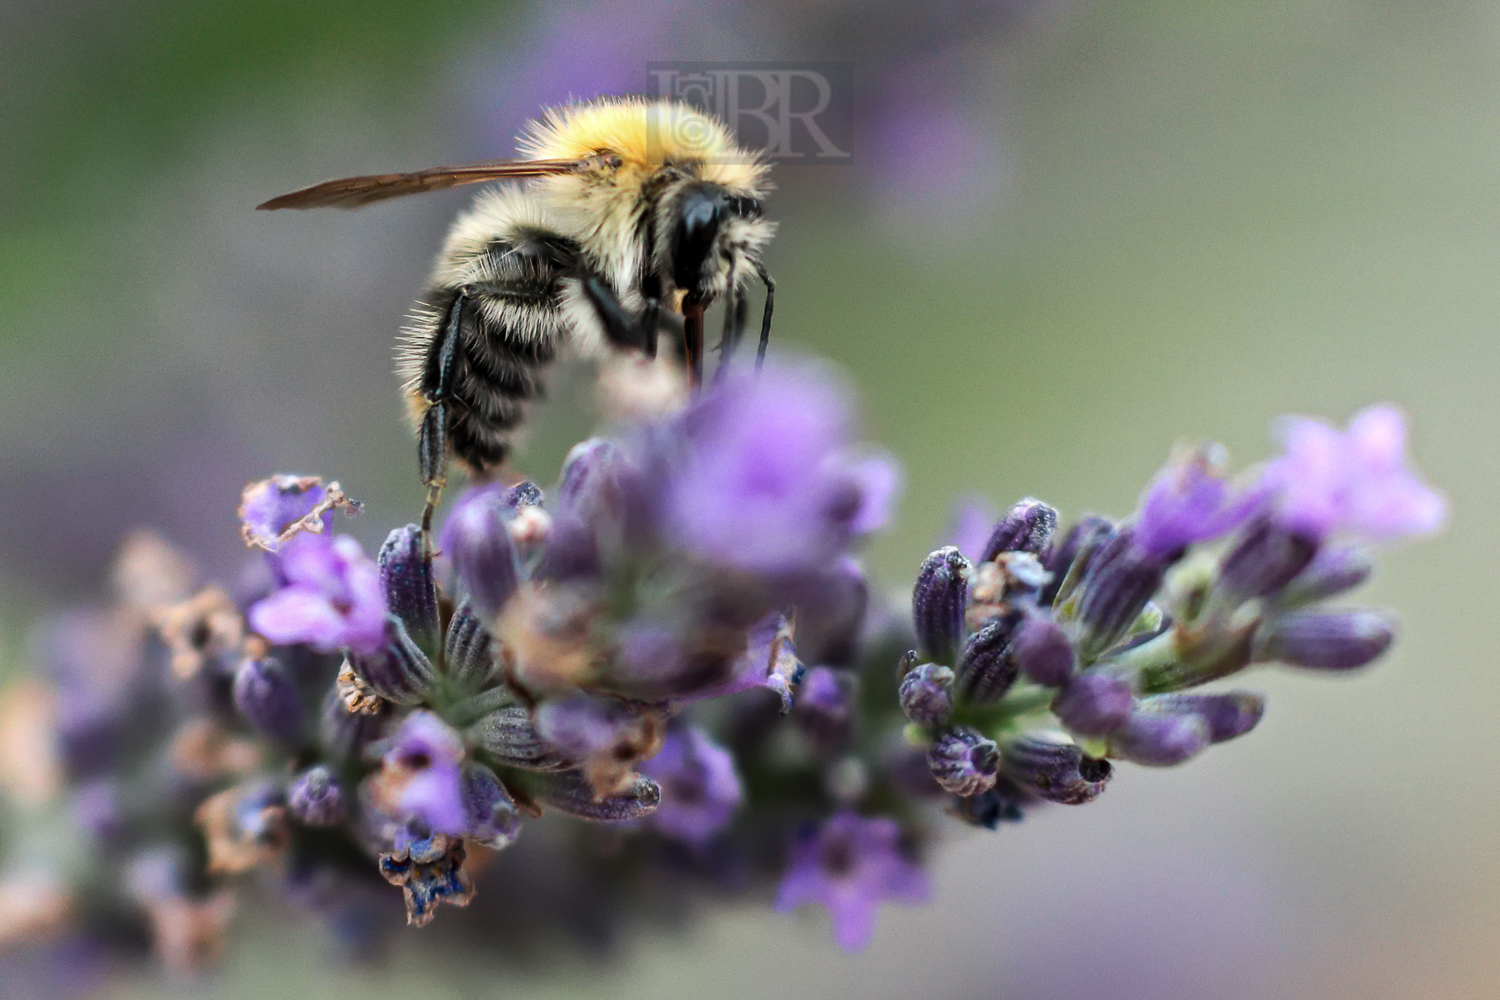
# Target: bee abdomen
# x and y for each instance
(510, 329)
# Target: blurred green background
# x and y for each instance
(1174, 219)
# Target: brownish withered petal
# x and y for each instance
(202, 626)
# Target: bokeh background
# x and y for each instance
(1072, 233)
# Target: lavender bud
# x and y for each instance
(316, 797)
(509, 736)
(266, 696)
(484, 556)
(963, 761)
(493, 820)
(570, 792)
(1041, 649)
(1026, 527)
(1159, 740)
(1265, 558)
(1093, 703)
(1334, 570)
(1333, 640)
(1082, 539)
(927, 695)
(406, 573)
(467, 654)
(1227, 715)
(1055, 771)
(990, 808)
(986, 670)
(938, 602)
(399, 673)
(1116, 587)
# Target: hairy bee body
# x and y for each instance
(661, 216)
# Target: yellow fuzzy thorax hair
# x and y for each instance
(646, 135)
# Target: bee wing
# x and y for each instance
(352, 192)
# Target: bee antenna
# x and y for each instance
(765, 316)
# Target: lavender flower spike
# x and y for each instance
(848, 866)
(1354, 481)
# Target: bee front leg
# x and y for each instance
(432, 437)
(620, 328)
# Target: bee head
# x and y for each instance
(712, 236)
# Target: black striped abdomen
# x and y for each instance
(511, 329)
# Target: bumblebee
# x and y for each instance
(634, 217)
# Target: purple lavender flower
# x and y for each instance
(1354, 481)
(767, 480)
(274, 510)
(333, 598)
(970, 525)
(580, 726)
(1189, 501)
(420, 776)
(848, 866)
(1160, 739)
(700, 788)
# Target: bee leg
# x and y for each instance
(620, 328)
(736, 310)
(692, 339)
(432, 438)
(765, 316)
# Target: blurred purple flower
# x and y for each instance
(700, 788)
(1354, 481)
(580, 726)
(767, 481)
(333, 598)
(847, 866)
(420, 774)
(969, 526)
(1189, 501)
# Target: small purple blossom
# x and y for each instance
(767, 480)
(700, 788)
(333, 598)
(420, 774)
(580, 726)
(274, 510)
(1189, 501)
(848, 866)
(1354, 481)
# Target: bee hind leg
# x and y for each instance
(432, 437)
